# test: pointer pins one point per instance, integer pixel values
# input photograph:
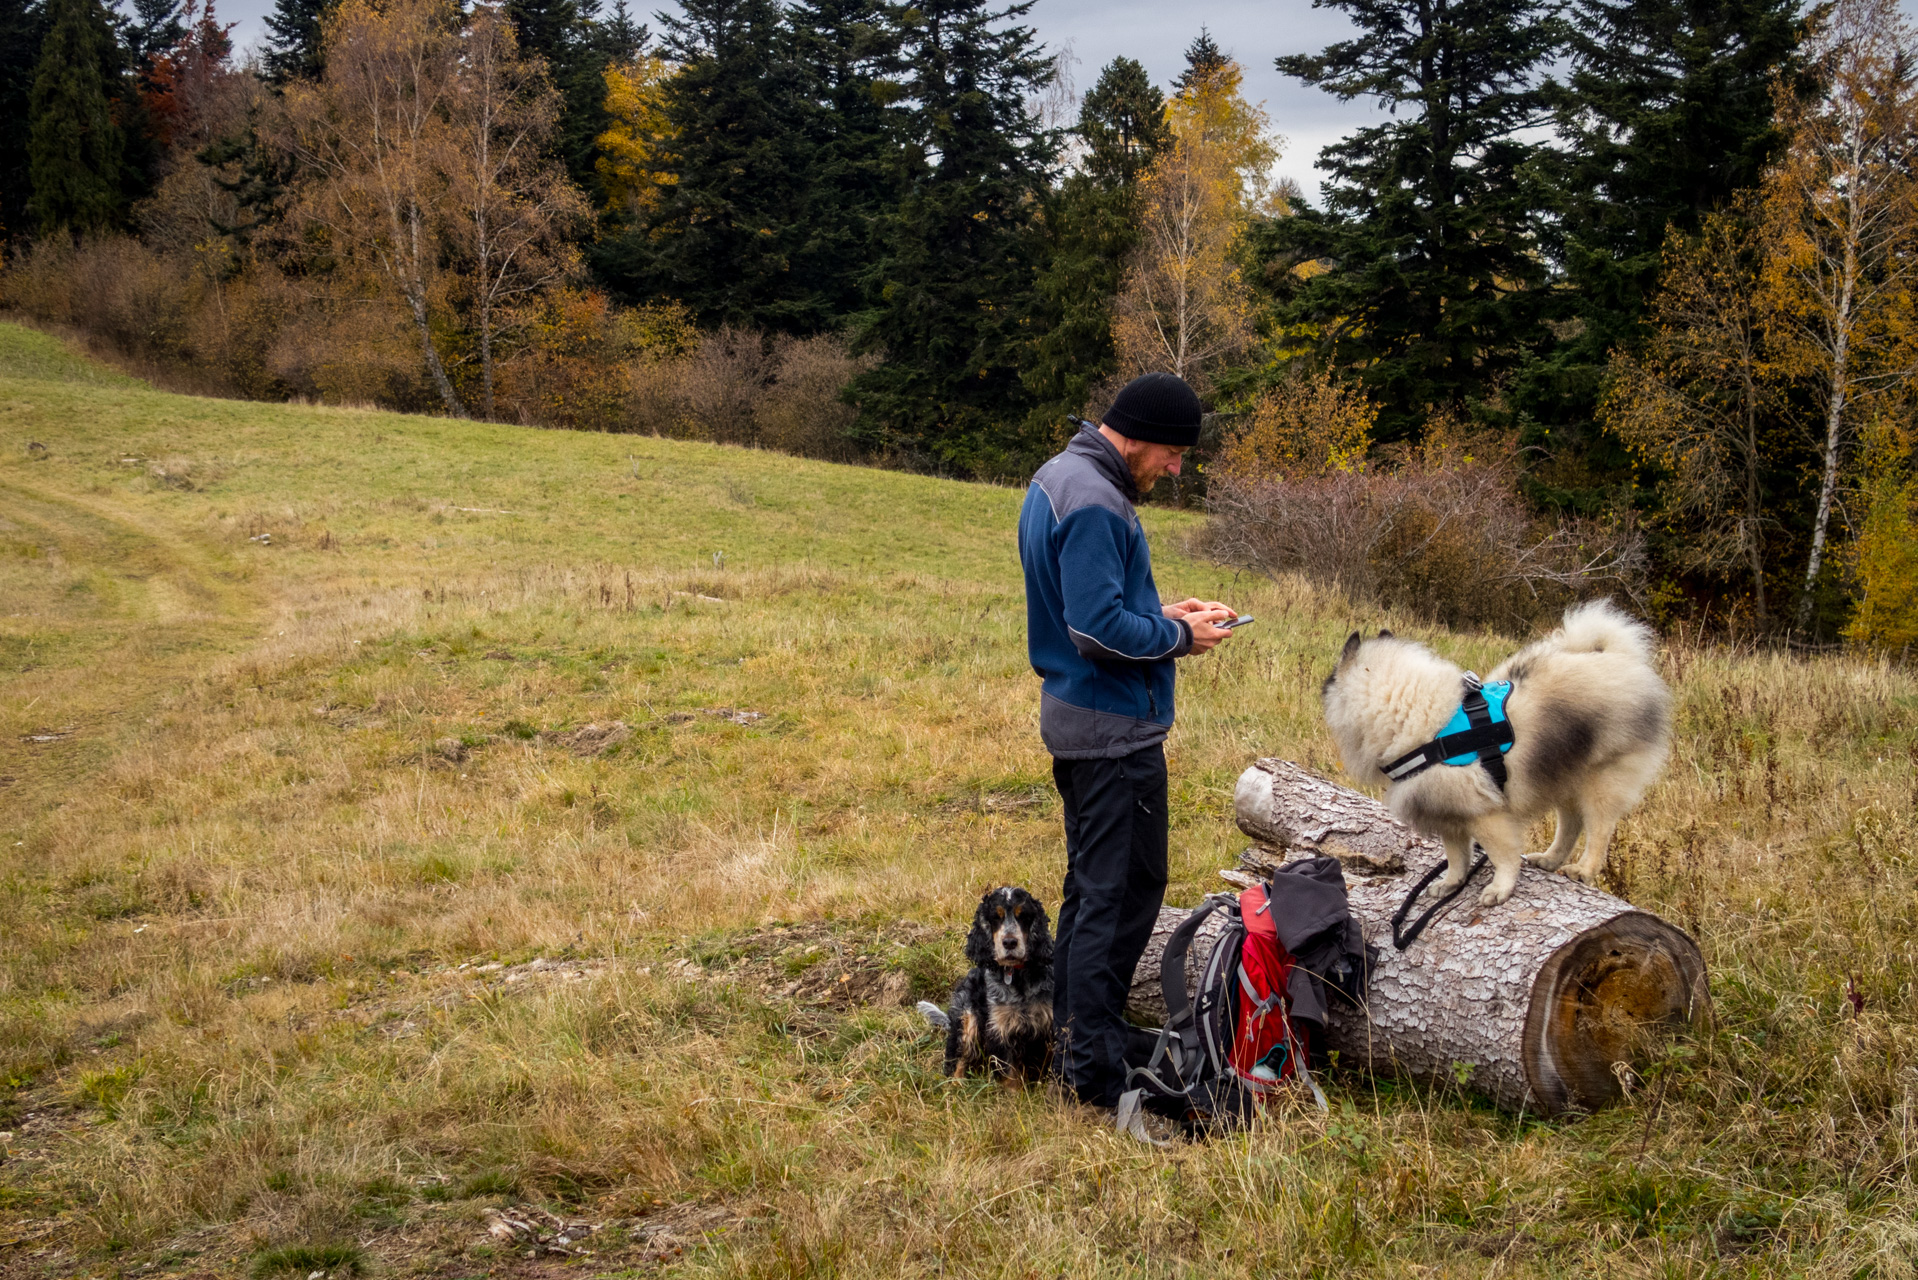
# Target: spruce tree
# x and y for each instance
(721, 237)
(577, 48)
(621, 37)
(956, 279)
(1202, 57)
(1091, 224)
(23, 25)
(846, 55)
(293, 42)
(1122, 123)
(1434, 220)
(154, 27)
(1667, 115)
(74, 147)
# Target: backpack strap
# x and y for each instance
(1178, 1005)
(1178, 1045)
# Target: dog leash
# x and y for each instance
(1403, 938)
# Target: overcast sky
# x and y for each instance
(1154, 32)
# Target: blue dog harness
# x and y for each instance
(1477, 733)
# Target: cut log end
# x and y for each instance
(1603, 1003)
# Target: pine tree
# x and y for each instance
(960, 253)
(74, 147)
(155, 27)
(578, 48)
(1203, 58)
(720, 238)
(293, 43)
(1433, 220)
(620, 37)
(1122, 123)
(1091, 224)
(23, 25)
(846, 54)
(1667, 114)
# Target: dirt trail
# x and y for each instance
(100, 614)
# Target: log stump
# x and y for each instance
(1546, 1003)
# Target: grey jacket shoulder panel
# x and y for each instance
(1088, 474)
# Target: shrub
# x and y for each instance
(738, 386)
(1439, 529)
(1311, 425)
(347, 352)
(112, 286)
(720, 385)
(570, 357)
(567, 371)
(804, 410)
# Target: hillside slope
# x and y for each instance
(408, 822)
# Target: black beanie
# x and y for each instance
(1158, 408)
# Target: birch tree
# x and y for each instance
(1183, 305)
(1840, 221)
(515, 208)
(374, 137)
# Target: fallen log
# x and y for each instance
(1551, 1002)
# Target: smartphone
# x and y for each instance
(1239, 621)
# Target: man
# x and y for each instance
(1104, 646)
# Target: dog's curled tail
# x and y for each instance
(1599, 626)
(934, 1014)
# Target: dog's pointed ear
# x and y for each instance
(1384, 634)
(1352, 643)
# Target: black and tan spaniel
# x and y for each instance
(1001, 1013)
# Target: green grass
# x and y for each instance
(267, 940)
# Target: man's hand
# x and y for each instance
(1191, 606)
(1203, 616)
(1206, 633)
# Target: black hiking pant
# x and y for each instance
(1115, 880)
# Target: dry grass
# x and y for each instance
(301, 793)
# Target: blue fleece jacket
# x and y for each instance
(1096, 636)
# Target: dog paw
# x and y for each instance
(1543, 861)
(1581, 874)
(1450, 881)
(1494, 896)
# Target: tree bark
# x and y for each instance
(1550, 1003)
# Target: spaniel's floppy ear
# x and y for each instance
(1039, 937)
(979, 941)
(1352, 643)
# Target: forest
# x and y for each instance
(1617, 297)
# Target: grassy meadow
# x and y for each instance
(442, 849)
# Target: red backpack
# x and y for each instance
(1269, 1046)
(1219, 1056)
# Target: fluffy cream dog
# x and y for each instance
(1591, 725)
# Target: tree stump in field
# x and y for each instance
(1545, 1002)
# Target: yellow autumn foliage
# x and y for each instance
(632, 147)
(1183, 306)
(1212, 113)
(1310, 425)
(1884, 554)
